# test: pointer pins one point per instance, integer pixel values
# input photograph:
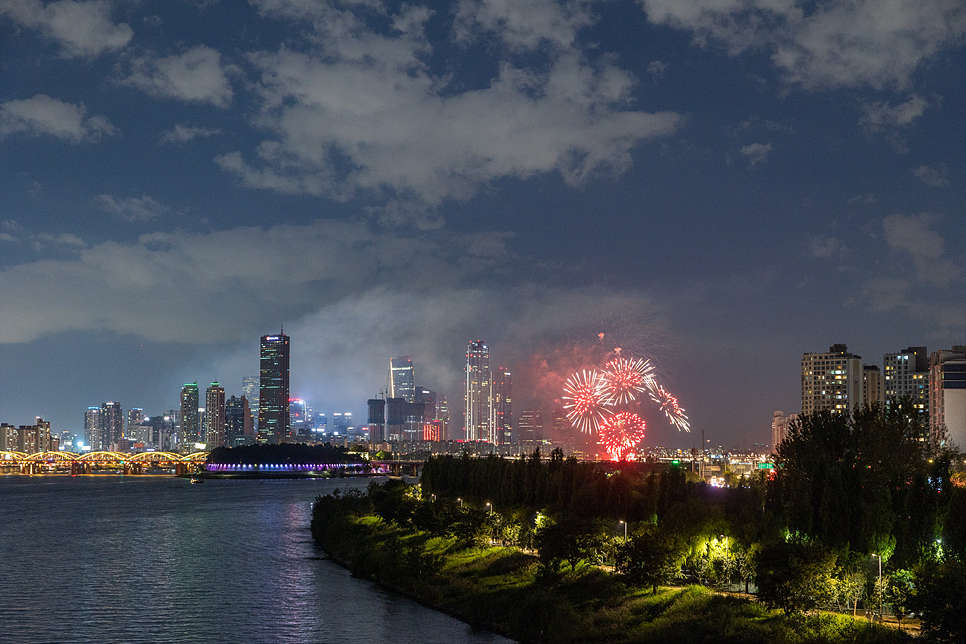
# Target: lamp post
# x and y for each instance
(625, 530)
(879, 557)
(460, 502)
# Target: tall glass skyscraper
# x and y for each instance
(478, 416)
(402, 378)
(190, 418)
(274, 424)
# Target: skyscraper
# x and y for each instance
(274, 424)
(503, 406)
(907, 375)
(93, 436)
(238, 422)
(530, 426)
(134, 418)
(190, 418)
(478, 397)
(871, 384)
(215, 416)
(112, 421)
(402, 378)
(831, 381)
(250, 392)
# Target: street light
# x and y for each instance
(461, 502)
(879, 557)
(625, 530)
(489, 507)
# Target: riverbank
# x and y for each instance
(507, 591)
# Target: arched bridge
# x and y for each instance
(142, 463)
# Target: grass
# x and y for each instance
(502, 589)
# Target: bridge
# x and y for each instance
(143, 463)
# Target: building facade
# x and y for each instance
(947, 397)
(503, 406)
(906, 374)
(779, 428)
(402, 378)
(190, 417)
(832, 381)
(478, 415)
(215, 416)
(238, 422)
(274, 424)
(871, 384)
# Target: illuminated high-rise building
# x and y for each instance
(503, 406)
(112, 422)
(478, 420)
(93, 436)
(134, 418)
(250, 391)
(377, 420)
(190, 417)
(402, 378)
(274, 425)
(530, 426)
(832, 381)
(215, 416)
(238, 422)
(298, 415)
(907, 376)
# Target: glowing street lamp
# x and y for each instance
(625, 530)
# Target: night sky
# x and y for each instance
(717, 185)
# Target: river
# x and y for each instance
(125, 559)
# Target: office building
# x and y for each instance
(530, 426)
(134, 418)
(503, 406)
(190, 417)
(112, 424)
(298, 414)
(832, 381)
(93, 436)
(238, 422)
(250, 392)
(215, 416)
(442, 413)
(947, 397)
(274, 425)
(402, 379)
(377, 420)
(906, 375)
(478, 420)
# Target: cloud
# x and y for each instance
(867, 199)
(42, 114)
(913, 235)
(824, 247)
(82, 29)
(272, 274)
(932, 176)
(180, 134)
(880, 115)
(194, 76)
(523, 26)
(131, 208)
(756, 152)
(344, 112)
(656, 69)
(840, 43)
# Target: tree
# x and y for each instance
(940, 598)
(899, 593)
(795, 576)
(649, 558)
(571, 540)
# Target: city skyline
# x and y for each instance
(719, 188)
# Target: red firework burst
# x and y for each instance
(623, 379)
(621, 434)
(584, 400)
(669, 405)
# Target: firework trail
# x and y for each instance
(584, 400)
(620, 435)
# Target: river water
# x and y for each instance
(127, 559)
